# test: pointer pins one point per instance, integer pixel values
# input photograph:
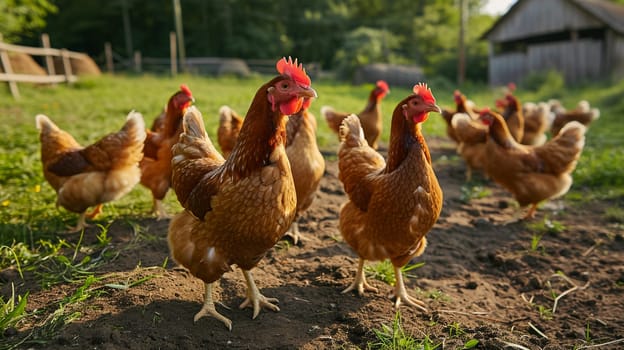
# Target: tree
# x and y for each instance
(22, 18)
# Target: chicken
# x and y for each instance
(306, 161)
(370, 118)
(156, 163)
(471, 135)
(90, 176)
(237, 209)
(462, 106)
(392, 205)
(229, 127)
(512, 113)
(583, 114)
(536, 123)
(532, 174)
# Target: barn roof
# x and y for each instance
(610, 13)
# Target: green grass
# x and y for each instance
(30, 222)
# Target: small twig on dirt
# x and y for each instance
(517, 346)
(567, 292)
(601, 322)
(591, 249)
(537, 331)
(603, 344)
(528, 301)
(301, 299)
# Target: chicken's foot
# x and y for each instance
(254, 298)
(209, 309)
(359, 283)
(80, 225)
(400, 293)
(96, 211)
(531, 213)
(159, 209)
(293, 232)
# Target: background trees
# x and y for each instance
(339, 34)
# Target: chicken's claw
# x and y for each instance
(400, 293)
(209, 309)
(255, 299)
(359, 282)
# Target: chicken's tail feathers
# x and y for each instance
(44, 123)
(595, 113)
(574, 133)
(333, 119)
(225, 114)
(135, 127)
(460, 119)
(193, 123)
(351, 132)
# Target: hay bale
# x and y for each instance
(79, 66)
(394, 75)
(22, 63)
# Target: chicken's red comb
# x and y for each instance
(500, 103)
(484, 111)
(424, 91)
(293, 70)
(456, 93)
(511, 86)
(382, 85)
(186, 90)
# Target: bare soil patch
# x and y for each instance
(480, 276)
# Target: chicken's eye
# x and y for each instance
(284, 85)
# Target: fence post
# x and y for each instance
(137, 62)
(6, 66)
(67, 66)
(49, 61)
(173, 54)
(108, 52)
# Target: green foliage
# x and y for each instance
(393, 337)
(384, 271)
(470, 192)
(551, 82)
(363, 46)
(21, 18)
(10, 313)
(546, 226)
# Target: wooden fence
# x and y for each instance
(48, 53)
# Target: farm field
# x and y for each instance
(555, 282)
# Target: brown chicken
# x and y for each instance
(392, 205)
(536, 122)
(370, 118)
(306, 161)
(90, 176)
(230, 124)
(237, 209)
(583, 114)
(471, 135)
(512, 113)
(156, 163)
(461, 106)
(532, 174)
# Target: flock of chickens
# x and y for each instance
(239, 203)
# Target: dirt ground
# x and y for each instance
(480, 280)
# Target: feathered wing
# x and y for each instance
(334, 119)
(356, 160)
(194, 159)
(117, 150)
(560, 154)
(467, 129)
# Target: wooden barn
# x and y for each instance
(582, 39)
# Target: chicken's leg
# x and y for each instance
(254, 298)
(293, 231)
(209, 309)
(359, 282)
(531, 213)
(159, 209)
(400, 293)
(96, 211)
(80, 225)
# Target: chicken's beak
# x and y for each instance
(307, 92)
(432, 107)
